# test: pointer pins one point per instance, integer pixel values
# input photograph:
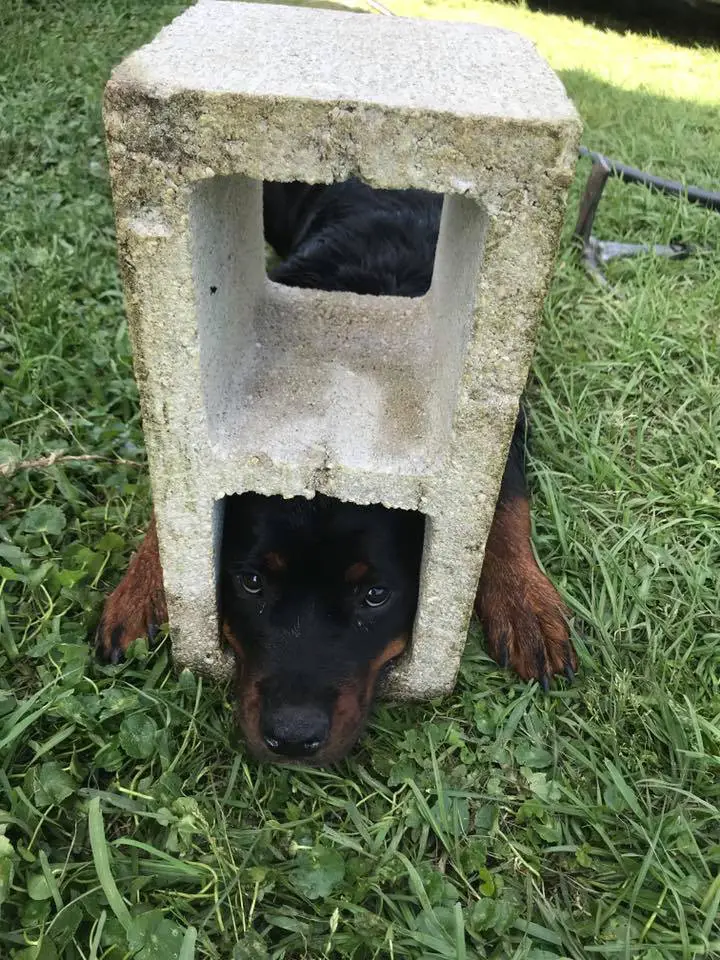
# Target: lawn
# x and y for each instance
(499, 822)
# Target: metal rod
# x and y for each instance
(705, 198)
(589, 202)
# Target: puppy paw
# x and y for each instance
(129, 613)
(136, 607)
(525, 626)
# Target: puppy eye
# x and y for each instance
(251, 582)
(376, 596)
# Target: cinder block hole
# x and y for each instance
(361, 240)
(306, 377)
(299, 562)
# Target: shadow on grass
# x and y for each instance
(676, 20)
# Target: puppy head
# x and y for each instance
(318, 597)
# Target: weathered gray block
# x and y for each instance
(247, 385)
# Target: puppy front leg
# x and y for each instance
(136, 607)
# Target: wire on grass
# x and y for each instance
(705, 198)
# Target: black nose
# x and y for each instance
(296, 731)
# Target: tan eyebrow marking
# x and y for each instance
(275, 562)
(356, 572)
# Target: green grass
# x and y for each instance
(498, 823)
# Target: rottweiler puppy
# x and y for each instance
(318, 597)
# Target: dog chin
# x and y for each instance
(325, 758)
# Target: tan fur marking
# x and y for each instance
(522, 614)
(392, 650)
(356, 572)
(230, 639)
(137, 605)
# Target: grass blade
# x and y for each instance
(187, 950)
(101, 858)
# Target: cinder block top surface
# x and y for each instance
(217, 48)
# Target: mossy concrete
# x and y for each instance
(247, 385)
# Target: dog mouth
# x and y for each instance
(307, 733)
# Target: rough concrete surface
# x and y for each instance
(247, 385)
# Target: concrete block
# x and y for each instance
(247, 385)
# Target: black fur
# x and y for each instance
(350, 237)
